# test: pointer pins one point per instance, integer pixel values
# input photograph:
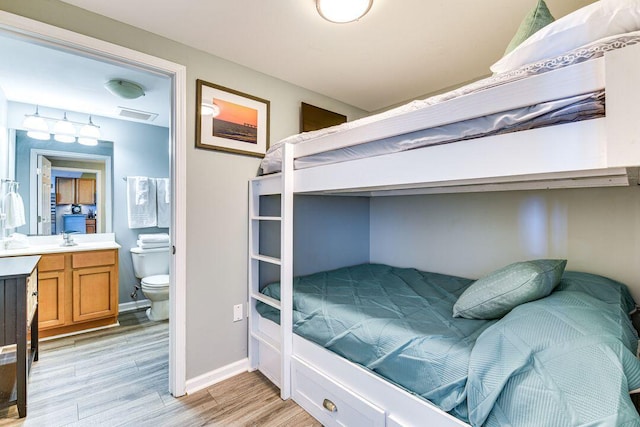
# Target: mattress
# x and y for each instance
(550, 113)
(526, 367)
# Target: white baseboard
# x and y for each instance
(133, 305)
(210, 378)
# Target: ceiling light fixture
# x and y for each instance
(343, 11)
(124, 89)
(64, 130)
(209, 109)
(36, 126)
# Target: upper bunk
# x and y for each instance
(601, 151)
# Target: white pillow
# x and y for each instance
(601, 19)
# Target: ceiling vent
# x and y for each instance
(142, 116)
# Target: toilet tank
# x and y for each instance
(149, 262)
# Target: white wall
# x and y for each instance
(470, 235)
(217, 182)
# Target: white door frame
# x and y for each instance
(61, 38)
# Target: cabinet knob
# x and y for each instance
(35, 293)
(329, 406)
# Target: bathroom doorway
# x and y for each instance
(18, 27)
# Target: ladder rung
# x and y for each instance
(267, 340)
(265, 258)
(267, 300)
(266, 218)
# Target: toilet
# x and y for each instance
(151, 266)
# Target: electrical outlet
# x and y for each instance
(237, 312)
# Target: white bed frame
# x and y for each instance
(598, 152)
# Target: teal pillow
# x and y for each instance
(495, 295)
(536, 19)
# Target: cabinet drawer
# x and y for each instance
(51, 262)
(93, 259)
(331, 403)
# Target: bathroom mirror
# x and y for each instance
(64, 186)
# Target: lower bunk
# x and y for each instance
(378, 345)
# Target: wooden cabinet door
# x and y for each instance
(91, 225)
(51, 299)
(95, 293)
(65, 191)
(85, 191)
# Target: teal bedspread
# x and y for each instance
(567, 359)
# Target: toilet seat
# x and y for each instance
(157, 281)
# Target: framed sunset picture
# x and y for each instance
(232, 121)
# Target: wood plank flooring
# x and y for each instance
(119, 377)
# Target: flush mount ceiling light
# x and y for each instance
(124, 89)
(209, 109)
(343, 11)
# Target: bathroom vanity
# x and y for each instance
(78, 284)
(18, 320)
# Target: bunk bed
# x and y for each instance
(598, 150)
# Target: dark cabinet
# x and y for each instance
(18, 319)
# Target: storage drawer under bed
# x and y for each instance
(329, 402)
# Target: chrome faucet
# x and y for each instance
(68, 239)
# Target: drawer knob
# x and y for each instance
(329, 406)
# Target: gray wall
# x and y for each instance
(470, 235)
(216, 182)
(135, 148)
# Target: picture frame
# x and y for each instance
(231, 121)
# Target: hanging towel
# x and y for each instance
(141, 205)
(142, 190)
(14, 209)
(154, 238)
(163, 199)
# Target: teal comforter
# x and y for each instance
(567, 359)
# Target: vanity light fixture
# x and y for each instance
(89, 134)
(343, 11)
(36, 126)
(124, 89)
(64, 130)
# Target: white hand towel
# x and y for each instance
(141, 212)
(163, 199)
(154, 238)
(142, 190)
(14, 209)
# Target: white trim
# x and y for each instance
(217, 375)
(133, 305)
(33, 196)
(58, 37)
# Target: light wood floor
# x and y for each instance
(119, 377)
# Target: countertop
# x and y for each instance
(39, 245)
(22, 266)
